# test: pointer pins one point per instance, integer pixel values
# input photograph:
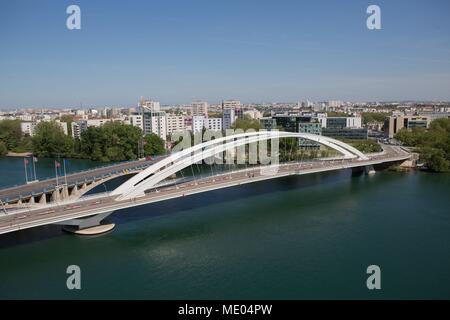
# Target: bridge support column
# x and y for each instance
(88, 226)
(83, 187)
(74, 191)
(55, 195)
(65, 192)
(43, 199)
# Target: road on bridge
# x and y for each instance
(86, 207)
(39, 187)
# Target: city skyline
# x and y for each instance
(176, 52)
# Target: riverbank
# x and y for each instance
(19, 154)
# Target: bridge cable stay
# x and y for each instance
(212, 173)
(176, 181)
(292, 149)
(193, 174)
(213, 159)
(182, 174)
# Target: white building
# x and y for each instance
(137, 120)
(26, 117)
(200, 122)
(335, 103)
(199, 108)
(156, 123)
(213, 124)
(27, 128)
(254, 114)
(63, 126)
(78, 127)
(354, 122)
(150, 105)
(96, 122)
(322, 118)
(175, 123)
(231, 104)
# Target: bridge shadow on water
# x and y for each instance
(183, 204)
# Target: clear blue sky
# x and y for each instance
(175, 51)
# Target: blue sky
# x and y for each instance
(175, 51)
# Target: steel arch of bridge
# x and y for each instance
(150, 177)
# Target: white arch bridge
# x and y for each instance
(150, 177)
(152, 184)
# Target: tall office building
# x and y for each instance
(175, 123)
(150, 105)
(345, 128)
(137, 121)
(200, 122)
(78, 127)
(213, 124)
(230, 110)
(394, 124)
(199, 108)
(228, 118)
(155, 122)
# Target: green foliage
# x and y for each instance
(413, 138)
(369, 117)
(215, 114)
(247, 123)
(26, 145)
(154, 145)
(435, 159)
(10, 133)
(3, 149)
(365, 146)
(49, 141)
(69, 119)
(12, 137)
(433, 144)
(110, 142)
(288, 149)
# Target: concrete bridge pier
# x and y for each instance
(88, 226)
(65, 192)
(43, 199)
(74, 191)
(369, 170)
(55, 195)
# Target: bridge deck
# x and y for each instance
(55, 213)
(48, 185)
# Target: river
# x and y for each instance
(293, 238)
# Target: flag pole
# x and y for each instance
(25, 166)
